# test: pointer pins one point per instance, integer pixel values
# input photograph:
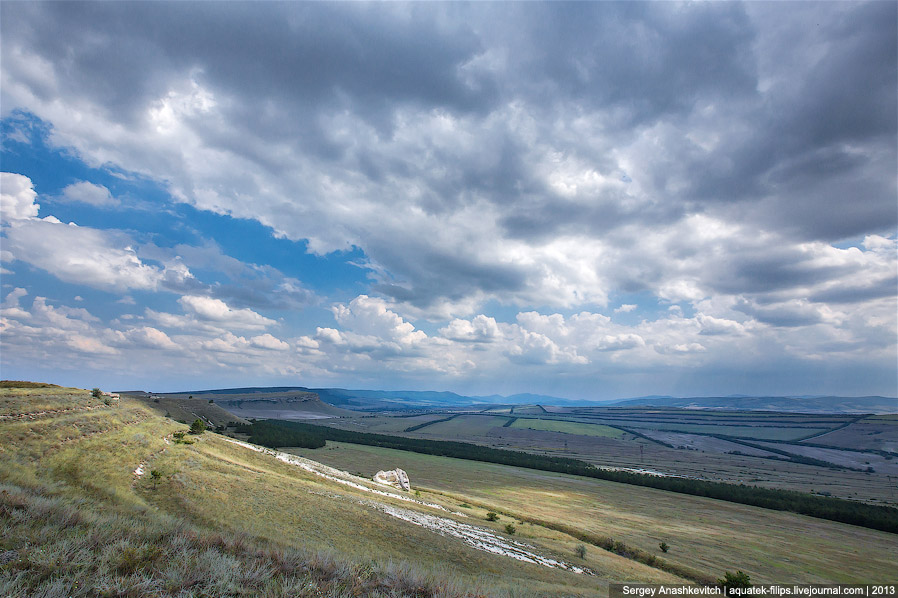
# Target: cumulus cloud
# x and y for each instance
(17, 197)
(218, 312)
(479, 329)
(81, 255)
(714, 159)
(546, 162)
(147, 336)
(267, 341)
(89, 193)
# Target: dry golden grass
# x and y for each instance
(704, 534)
(83, 453)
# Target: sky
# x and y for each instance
(587, 200)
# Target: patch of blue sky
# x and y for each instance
(146, 211)
(336, 274)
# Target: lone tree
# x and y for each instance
(731, 581)
(197, 427)
(155, 475)
(96, 393)
(664, 547)
(581, 551)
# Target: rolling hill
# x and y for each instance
(111, 498)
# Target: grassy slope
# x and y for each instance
(185, 409)
(70, 496)
(704, 534)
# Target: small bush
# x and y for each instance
(581, 551)
(664, 547)
(491, 516)
(96, 393)
(509, 529)
(197, 427)
(732, 581)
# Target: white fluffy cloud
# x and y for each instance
(81, 255)
(17, 197)
(267, 341)
(218, 312)
(89, 193)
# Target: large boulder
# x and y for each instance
(395, 477)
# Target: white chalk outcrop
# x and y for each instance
(396, 478)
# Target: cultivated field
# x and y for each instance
(805, 452)
(568, 427)
(82, 515)
(704, 534)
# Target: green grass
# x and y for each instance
(582, 429)
(704, 534)
(226, 521)
(382, 424)
(747, 432)
(59, 547)
(465, 425)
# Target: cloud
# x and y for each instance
(81, 255)
(218, 312)
(89, 193)
(17, 197)
(487, 177)
(480, 329)
(267, 341)
(150, 337)
(505, 170)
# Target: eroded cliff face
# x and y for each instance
(396, 478)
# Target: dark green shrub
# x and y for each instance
(733, 581)
(491, 516)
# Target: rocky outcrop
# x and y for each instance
(396, 478)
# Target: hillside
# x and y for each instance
(84, 515)
(387, 400)
(185, 409)
(286, 405)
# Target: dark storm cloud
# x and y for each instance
(779, 117)
(649, 59)
(887, 287)
(822, 146)
(303, 54)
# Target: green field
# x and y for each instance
(223, 520)
(705, 534)
(747, 432)
(464, 425)
(567, 427)
(383, 424)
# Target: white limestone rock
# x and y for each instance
(396, 478)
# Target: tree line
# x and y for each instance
(279, 433)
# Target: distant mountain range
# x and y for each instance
(411, 399)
